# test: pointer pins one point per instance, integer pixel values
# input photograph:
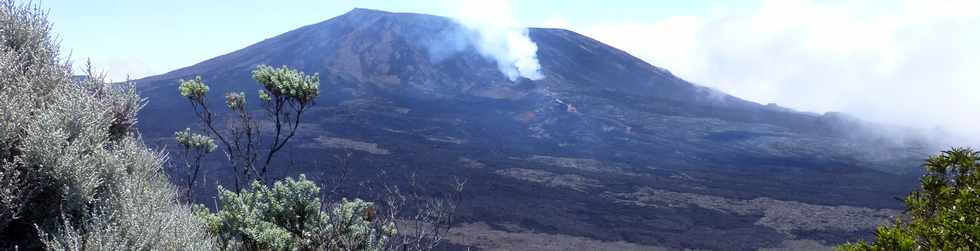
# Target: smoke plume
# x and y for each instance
(496, 35)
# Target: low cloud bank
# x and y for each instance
(910, 63)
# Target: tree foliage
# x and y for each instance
(194, 146)
(943, 213)
(73, 175)
(285, 95)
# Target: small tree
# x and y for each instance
(943, 214)
(288, 216)
(195, 146)
(285, 95)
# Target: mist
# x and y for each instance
(911, 64)
(494, 32)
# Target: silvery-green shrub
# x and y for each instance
(288, 216)
(73, 173)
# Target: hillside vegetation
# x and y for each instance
(73, 174)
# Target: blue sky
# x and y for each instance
(906, 62)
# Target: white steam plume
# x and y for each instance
(499, 37)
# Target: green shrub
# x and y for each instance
(288, 216)
(73, 175)
(943, 214)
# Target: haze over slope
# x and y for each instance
(906, 62)
(600, 144)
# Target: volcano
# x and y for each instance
(605, 148)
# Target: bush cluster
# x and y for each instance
(288, 216)
(73, 175)
(943, 214)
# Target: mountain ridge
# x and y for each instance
(371, 15)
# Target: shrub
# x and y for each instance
(287, 216)
(73, 175)
(943, 214)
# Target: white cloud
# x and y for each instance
(913, 63)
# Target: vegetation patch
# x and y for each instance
(342, 143)
(591, 165)
(783, 216)
(570, 181)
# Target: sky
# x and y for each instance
(906, 62)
